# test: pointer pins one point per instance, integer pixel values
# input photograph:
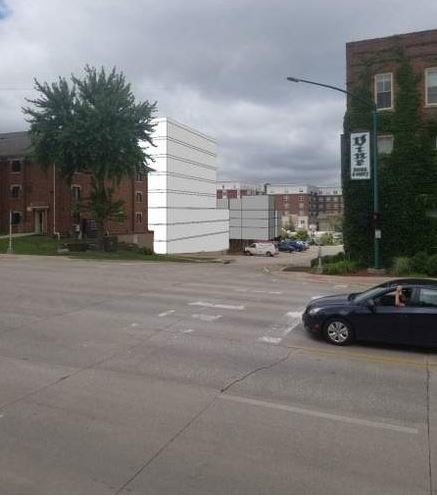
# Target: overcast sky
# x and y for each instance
(216, 65)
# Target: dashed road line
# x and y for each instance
(282, 328)
(216, 305)
(206, 317)
(168, 312)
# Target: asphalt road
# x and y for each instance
(198, 378)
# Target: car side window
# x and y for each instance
(428, 298)
(389, 299)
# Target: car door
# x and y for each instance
(424, 320)
(387, 323)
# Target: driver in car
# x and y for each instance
(400, 297)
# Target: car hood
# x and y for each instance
(330, 300)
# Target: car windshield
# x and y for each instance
(370, 293)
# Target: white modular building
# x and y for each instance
(252, 218)
(182, 210)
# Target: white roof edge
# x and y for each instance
(186, 127)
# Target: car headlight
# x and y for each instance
(314, 311)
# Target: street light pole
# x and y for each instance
(377, 232)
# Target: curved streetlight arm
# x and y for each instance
(336, 88)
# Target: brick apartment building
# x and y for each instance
(231, 189)
(304, 205)
(420, 48)
(379, 61)
(42, 202)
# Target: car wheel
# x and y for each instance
(339, 332)
(269, 254)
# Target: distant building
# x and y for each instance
(42, 202)
(182, 192)
(305, 205)
(251, 218)
(232, 189)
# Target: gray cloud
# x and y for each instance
(217, 65)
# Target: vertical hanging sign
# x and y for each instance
(360, 155)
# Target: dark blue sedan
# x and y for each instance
(290, 246)
(401, 311)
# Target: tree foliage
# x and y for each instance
(92, 124)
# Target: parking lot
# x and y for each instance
(126, 377)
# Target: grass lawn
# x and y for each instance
(31, 245)
(46, 245)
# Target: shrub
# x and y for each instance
(431, 268)
(301, 235)
(147, 251)
(402, 266)
(419, 262)
(342, 267)
(327, 239)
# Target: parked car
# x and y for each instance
(296, 244)
(402, 311)
(268, 249)
(286, 245)
(304, 244)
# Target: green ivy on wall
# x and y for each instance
(407, 176)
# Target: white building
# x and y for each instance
(182, 192)
(252, 217)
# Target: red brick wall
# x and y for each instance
(37, 191)
(420, 47)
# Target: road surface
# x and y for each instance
(123, 377)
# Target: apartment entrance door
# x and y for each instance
(40, 221)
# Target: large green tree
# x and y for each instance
(92, 124)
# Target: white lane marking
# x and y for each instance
(263, 291)
(270, 340)
(318, 414)
(187, 331)
(205, 317)
(281, 329)
(168, 312)
(215, 305)
(341, 285)
(134, 324)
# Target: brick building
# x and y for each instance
(42, 202)
(394, 70)
(304, 205)
(231, 189)
(381, 55)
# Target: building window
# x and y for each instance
(301, 205)
(76, 192)
(139, 196)
(139, 217)
(385, 145)
(16, 218)
(384, 91)
(431, 86)
(301, 198)
(140, 176)
(16, 165)
(15, 191)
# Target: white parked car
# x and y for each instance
(267, 249)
